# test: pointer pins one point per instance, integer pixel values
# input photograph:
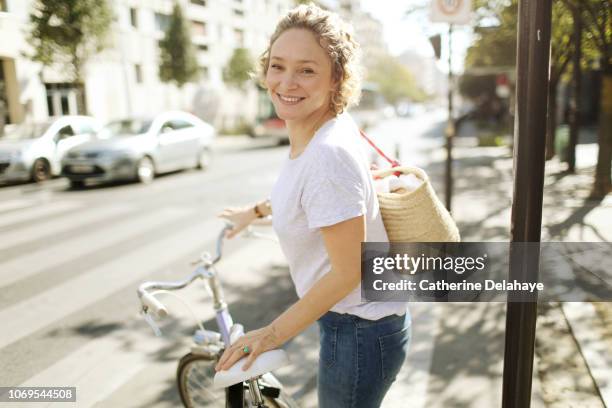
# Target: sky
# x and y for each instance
(417, 28)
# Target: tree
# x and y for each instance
(597, 21)
(394, 80)
(69, 32)
(239, 68)
(496, 46)
(178, 61)
(298, 2)
(596, 44)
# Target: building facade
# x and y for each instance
(123, 80)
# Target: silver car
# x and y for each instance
(33, 151)
(140, 148)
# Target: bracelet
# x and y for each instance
(258, 213)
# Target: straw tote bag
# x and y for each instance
(413, 216)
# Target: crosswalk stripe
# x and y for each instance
(101, 366)
(51, 227)
(46, 258)
(41, 209)
(15, 204)
(28, 316)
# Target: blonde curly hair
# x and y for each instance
(336, 38)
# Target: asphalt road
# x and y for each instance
(70, 261)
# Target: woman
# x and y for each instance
(324, 206)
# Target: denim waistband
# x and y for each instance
(333, 318)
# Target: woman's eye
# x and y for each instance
(308, 71)
(275, 66)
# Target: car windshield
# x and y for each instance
(126, 127)
(26, 131)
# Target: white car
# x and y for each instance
(33, 151)
(138, 148)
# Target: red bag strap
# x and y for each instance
(393, 163)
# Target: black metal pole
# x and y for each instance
(533, 57)
(450, 127)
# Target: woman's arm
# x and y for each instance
(242, 217)
(343, 244)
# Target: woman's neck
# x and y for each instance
(302, 131)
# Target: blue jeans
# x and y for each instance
(359, 359)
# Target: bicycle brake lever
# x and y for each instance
(204, 258)
(151, 323)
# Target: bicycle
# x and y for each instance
(197, 381)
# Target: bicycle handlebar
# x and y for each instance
(200, 272)
(204, 271)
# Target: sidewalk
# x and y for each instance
(482, 207)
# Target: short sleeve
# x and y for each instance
(333, 194)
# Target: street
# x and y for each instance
(71, 260)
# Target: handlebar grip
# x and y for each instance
(154, 305)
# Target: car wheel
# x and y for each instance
(41, 171)
(145, 171)
(204, 158)
(77, 184)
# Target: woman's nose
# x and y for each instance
(288, 81)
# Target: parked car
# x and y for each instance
(33, 151)
(140, 148)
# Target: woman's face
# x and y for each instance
(299, 77)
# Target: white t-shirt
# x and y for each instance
(329, 182)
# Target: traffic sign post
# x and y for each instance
(453, 12)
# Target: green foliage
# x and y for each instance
(239, 68)
(394, 80)
(596, 18)
(298, 2)
(178, 62)
(496, 45)
(69, 32)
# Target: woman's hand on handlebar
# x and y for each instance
(240, 217)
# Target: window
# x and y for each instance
(238, 12)
(64, 133)
(64, 99)
(178, 124)
(198, 27)
(3, 5)
(199, 2)
(83, 128)
(203, 47)
(134, 17)
(138, 73)
(239, 34)
(162, 21)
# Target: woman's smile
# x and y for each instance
(289, 100)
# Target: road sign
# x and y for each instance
(451, 11)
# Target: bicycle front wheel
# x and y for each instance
(195, 376)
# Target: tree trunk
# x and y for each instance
(79, 84)
(551, 119)
(602, 184)
(576, 97)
